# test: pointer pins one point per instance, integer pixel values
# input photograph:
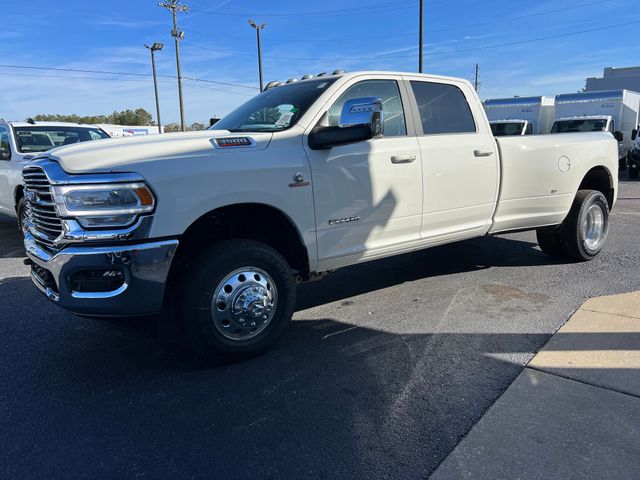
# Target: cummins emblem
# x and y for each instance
(343, 220)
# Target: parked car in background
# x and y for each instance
(306, 177)
(520, 115)
(21, 141)
(510, 127)
(614, 111)
(634, 159)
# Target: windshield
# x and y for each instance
(586, 125)
(504, 129)
(274, 109)
(42, 138)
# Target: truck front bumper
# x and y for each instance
(103, 280)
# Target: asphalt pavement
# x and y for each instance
(385, 368)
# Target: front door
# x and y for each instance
(368, 195)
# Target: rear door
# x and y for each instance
(459, 159)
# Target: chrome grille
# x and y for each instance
(46, 226)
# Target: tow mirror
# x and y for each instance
(634, 133)
(618, 135)
(361, 119)
(5, 152)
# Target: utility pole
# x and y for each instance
(421, 36)
(175, 7)
(156, 47)
(258, 28)
(475, 83)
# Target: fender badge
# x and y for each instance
(298, 181)
(230, 142)
(343, 220)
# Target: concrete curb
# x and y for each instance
(574, 411)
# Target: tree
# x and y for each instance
(197, 126)
(266, 115)
(138, 116)
(171, 127)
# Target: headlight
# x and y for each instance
(108, 205)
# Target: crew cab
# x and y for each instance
(20, 142)
(306, 177)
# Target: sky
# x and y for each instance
(540, 47)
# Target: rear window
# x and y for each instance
(443, 108)
(506, 129)
(587, 125)
(43, 138)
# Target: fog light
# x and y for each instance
(96, 280)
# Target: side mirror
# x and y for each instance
(361, 119)
(634, 133)
(618, 135)
(5, 153)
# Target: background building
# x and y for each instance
(615, 79)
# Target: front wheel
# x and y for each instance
(236, 299)
(584, 232)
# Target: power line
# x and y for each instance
(105, 72)
(449, 52)
(196, 82)
(376, 8)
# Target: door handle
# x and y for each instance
(403, 158)
(483, 153)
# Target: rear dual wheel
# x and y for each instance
(583, 233)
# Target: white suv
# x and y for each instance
(21, 141)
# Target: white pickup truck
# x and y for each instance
(20, 142)
(306, 177)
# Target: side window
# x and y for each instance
(5, 149)
(387, 90)
(529, 129)
(443, 108)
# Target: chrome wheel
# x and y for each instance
(244, 303)
(593, 227)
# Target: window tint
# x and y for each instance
(5, 151)
(40, 138)
(387, 90)
(443, 108)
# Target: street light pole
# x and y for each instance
(153, 48)
(258, 28)
(421, 35)
(174, 6)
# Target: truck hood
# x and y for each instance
(122, 154)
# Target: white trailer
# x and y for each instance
(520, 115)
(615, 111)
(129, 130)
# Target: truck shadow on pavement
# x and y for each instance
(11, 245)
(331, 400)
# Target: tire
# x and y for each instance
(549, 241)
(584, 232)
(247, 275)
(20, 211)
(633, 172)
